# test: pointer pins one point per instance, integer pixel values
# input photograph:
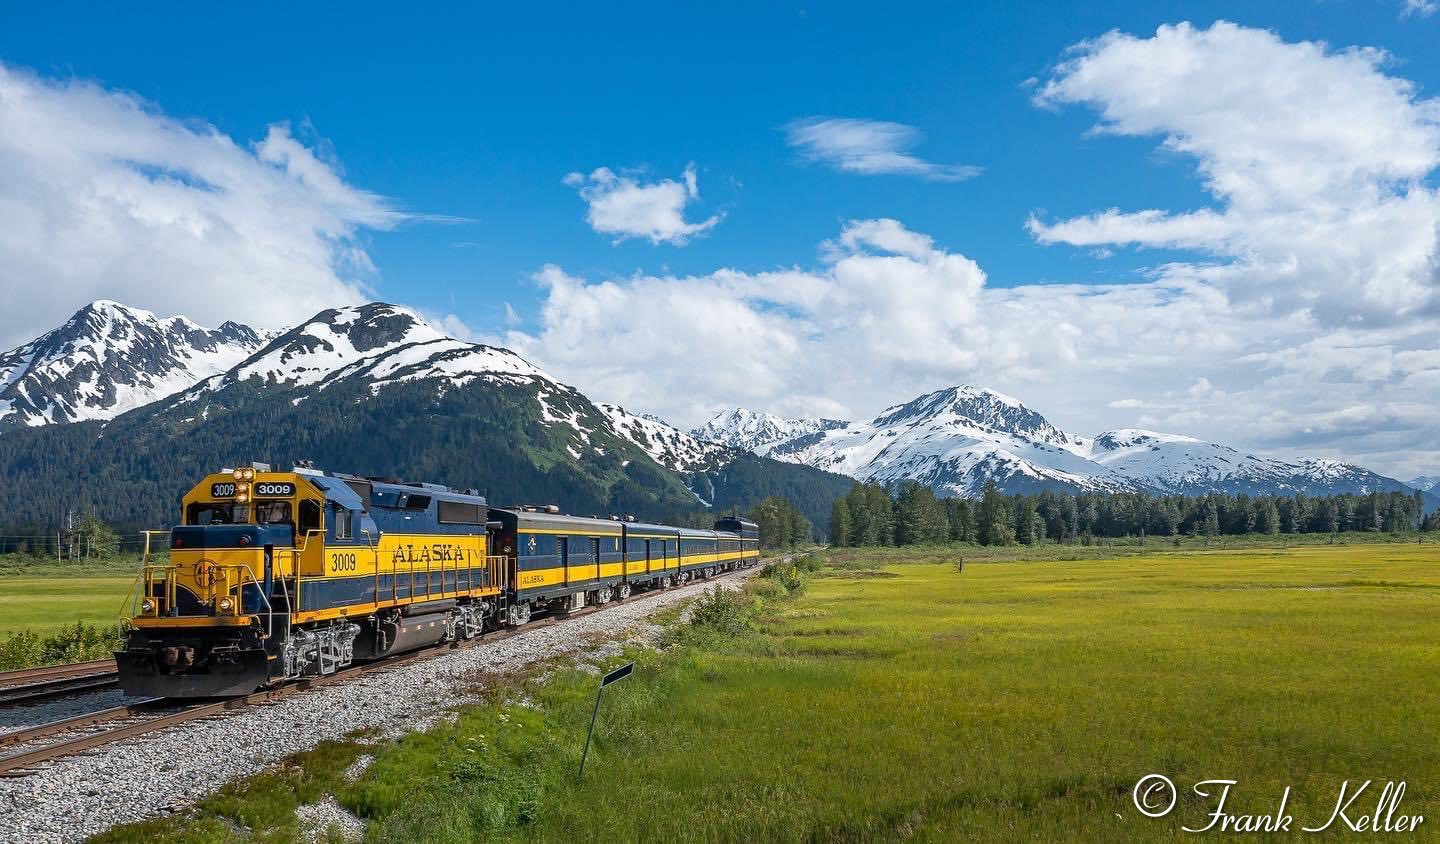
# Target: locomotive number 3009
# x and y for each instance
(343, 562)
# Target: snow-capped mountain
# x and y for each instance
(667, 445)
(108, 359)
(746, 429)
(1424, 483)
(956, 439)
(380, 342)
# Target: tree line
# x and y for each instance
(909, 513)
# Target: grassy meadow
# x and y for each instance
(43, 604)
(890, 694)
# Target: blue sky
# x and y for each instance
(480, 113)
(462, 125)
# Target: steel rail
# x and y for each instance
(63, 687)
(54, 672)
(23, 763)
(76, 722)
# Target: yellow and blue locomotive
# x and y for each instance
(274, 576)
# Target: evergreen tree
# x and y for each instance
(961, 515)
(882, 524)
(782, 525)
(994, 513)
(919, 517)
(840, 526)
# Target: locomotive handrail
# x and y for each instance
(295, 561)
(240, 596)
(145, 565)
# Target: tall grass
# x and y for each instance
(882, 699)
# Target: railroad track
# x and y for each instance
(130, 720)
(62, 687)
(133, 720)
(27, 676)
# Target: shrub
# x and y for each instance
(792, 579)
(77, 642)
(722, 611)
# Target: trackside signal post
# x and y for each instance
(618, 674)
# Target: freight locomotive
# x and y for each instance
(274, 576)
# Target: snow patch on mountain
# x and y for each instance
(108, 359)
(751, 431)
(1425, 483)
(667, 445)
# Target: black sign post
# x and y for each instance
(618, 674)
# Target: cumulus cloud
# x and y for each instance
(889, 314)
(104, 196)
(625, 207)
(1420, 8)
(869, 147)
(1302, 323)
(1316, 158)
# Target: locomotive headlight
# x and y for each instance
(247, 473)
(242, 497)
(226, 604)
(147, 606)
(238, 474)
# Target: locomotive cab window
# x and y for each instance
(343, 523)
(310, 517)
(273, 513)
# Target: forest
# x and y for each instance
(909, 513)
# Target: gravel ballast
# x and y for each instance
(165, 771)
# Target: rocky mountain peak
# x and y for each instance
(977, 406)
(752, 430)
(109, 358)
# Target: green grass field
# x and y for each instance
(44, 603)
(891, 699)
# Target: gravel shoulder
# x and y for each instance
(166, 771)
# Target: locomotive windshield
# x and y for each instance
(217, 513)
(273, 513)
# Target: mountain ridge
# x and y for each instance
(958, 438)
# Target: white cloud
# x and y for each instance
(1317, 160)
(869, 147)
(103, 196)
(1305, 326)
(622, 206)
(889, 314)
(1422, 8)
